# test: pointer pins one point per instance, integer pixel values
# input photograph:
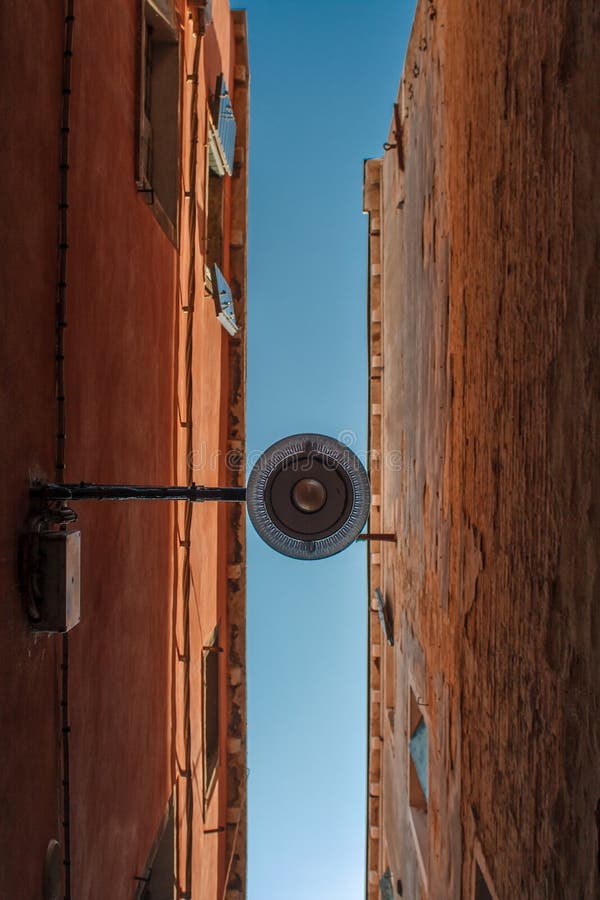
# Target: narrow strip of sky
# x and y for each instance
(323, 81)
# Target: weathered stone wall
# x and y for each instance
(489, 231)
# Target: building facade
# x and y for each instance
(483, 427)
(124, 258)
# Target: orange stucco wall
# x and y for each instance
(29, 188)
(205, 379)
(138, 359)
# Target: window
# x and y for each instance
(158, 880)
(385, 616)
(214, 220)
(386, 888)
(220, 161)
(223, 298)
(418, 789)
(210, 678)
(201, 13)
(482, 885)
(222, 128)
(221, 151)
(482, 891)
(157, 165)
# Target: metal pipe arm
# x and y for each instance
(86, 491)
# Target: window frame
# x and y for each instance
(418, 801)
(167, 830)
(480, 864)
(211, 672)
(221, 137)
(158, 14)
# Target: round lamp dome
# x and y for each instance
(308, 496)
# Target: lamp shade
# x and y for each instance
(308, 496)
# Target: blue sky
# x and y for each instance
(323, 81)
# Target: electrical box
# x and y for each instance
(58, 585)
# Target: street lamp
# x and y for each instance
(308, 497)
